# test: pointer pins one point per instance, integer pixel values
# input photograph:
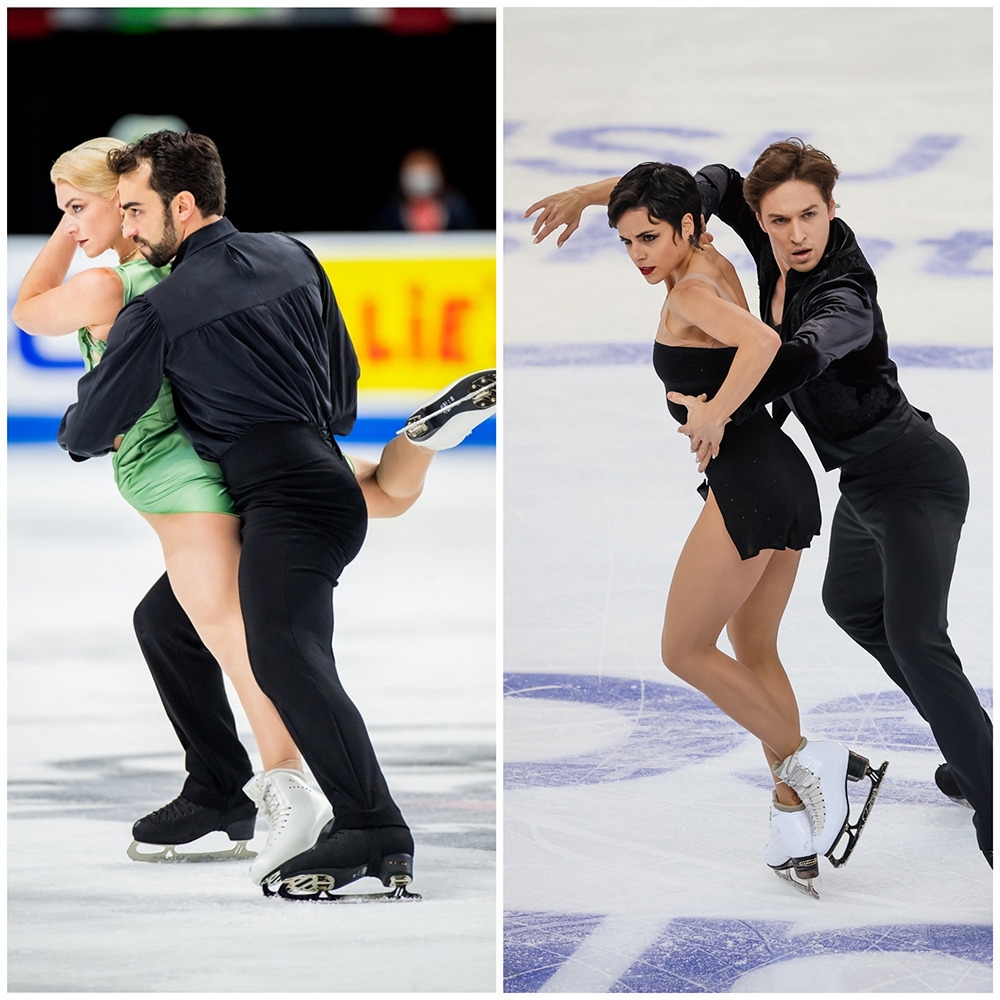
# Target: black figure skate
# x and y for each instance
(343, 857)
(181, 822)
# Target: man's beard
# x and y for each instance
(162, 252)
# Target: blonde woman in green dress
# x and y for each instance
(184, 499)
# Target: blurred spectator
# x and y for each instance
(131, 128)
(424, 202)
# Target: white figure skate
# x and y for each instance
(790, 852)
(818, 773)
(296, 813)
(449, 418)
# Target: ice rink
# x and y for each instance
(90, 750)
(634, 811)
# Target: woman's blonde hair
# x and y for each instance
(86, 167)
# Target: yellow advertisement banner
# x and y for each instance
(417, 324)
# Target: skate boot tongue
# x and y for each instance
(296, 814)
(800, 772)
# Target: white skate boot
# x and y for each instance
(790, 851)
(818, 773)
(296, 813)
(449, 418)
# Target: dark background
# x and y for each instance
(311, 120)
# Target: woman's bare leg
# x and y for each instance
(710, 584)
(393, 485)
(753, 632)
(202, 554)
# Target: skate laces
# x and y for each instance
(179, 807)
(275, 808)
(806, 785)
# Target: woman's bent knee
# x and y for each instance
(677, 659)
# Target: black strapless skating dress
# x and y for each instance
(761, 481)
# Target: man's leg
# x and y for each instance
(854, 591)
(304, 519)
(190, 684)
(913, 519)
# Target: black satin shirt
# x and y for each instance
(833, 369)
(248, 331)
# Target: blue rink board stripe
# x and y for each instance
(541, 355)
(31, 429)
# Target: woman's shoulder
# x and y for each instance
(138, 276)
(697, 281)
(97, 293)
(98, 280)
(712, 269)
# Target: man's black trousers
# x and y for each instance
(893, 545)
(304, 518)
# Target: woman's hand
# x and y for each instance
(566, 207)
(561, 209)
(703, 427)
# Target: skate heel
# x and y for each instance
(396, 870)
(806, 868)
(857, 766)
(241, 829)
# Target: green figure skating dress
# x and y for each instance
(156, 467)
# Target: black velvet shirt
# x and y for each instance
(248, 331)
(833, 368)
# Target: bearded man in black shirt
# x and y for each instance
(248, 331)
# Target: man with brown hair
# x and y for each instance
(904, 485)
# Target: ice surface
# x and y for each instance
(90, 750)
(634, 811)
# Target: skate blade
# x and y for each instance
(959, 801)
(320, 888)
(169, 853)
(805, 887)
(853, 830)
(482, 396)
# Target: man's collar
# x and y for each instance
(204, 237)
(839, 239)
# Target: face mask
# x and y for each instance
(420, 181)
